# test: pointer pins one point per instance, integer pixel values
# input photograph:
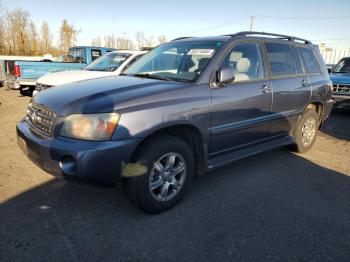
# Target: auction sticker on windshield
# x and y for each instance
(201, 51)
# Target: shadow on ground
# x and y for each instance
(332, 127)
(274, 206)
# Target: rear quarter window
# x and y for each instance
(280, 59)
(310, 62)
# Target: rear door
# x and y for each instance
(291, 87)
(312, 68)
(241, 109)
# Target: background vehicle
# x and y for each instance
(7, 64)
(110, 64)
(340, 76)
(25, 74)
(219, 99)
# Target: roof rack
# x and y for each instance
(285, 37)
(180, 38)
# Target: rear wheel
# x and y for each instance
(306, 131)
(169, 169)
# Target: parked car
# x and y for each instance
(7, 65)
(25, 74)
(186, 107)
(340, 76)
(110, 64)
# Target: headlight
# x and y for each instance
(90, 126)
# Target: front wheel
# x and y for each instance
(169, 168)
(306, 131)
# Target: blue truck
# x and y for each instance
(25, 73)
(340, 76)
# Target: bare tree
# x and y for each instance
(110, 41)
(96, 41)
(161, 39)
(3, 36)
(68, 36)
(45, 38)
(140, 39)
(33, 40)
(17, 31)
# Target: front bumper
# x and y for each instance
(340, 98)
(100, 162)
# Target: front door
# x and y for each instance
(241, 109)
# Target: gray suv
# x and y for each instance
(188, 106)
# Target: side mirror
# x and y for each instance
(226, 75)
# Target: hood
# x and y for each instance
(102, 95)
(340, 78)
(65, 77)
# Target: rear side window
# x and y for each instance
(280, 59)
(309, 60)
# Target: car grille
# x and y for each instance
(341, 89)
(40, 120)
(40, 87)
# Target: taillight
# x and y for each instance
(17, 71)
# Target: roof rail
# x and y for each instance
(279, 36)
(180, 38)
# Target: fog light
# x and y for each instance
(68, 165)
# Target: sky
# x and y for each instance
(317, 20)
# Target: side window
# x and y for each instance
(78, 55)
(245, 59)
(297, 59)
(95, 53)
(281, 59)
(309, 60)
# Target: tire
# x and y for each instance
(164, 157)
(306, 131)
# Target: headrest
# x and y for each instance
(243, 65)
(202, 63)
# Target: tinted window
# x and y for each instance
(245, 59)
(95, 53)
(309, 60)
(280, 59)
(298, 63)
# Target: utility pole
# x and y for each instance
(251, 23)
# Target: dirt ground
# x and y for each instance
(300, 202)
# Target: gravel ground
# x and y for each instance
(275, 206)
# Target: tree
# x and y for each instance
(45, 38)
(96, 41)
(140, 39)
(68, 36)
(33, 40)
(161, 39)
(3, 36)
(17, 31)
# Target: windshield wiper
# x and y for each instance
(150, 76)
(153, 77)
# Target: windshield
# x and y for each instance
(343, 66)
(177, 61)
(108, 63)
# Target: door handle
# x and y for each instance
(305, 82)
(266, 89)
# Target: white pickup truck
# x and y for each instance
(110, 64)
